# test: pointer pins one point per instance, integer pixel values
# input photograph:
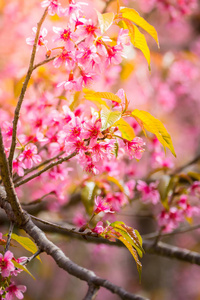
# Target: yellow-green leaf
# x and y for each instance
(76, 101)
(105, 20)
(108, 117)
(19, 266)
(125, 128)
(115, 181)
(97, 101)
(133, 15)
(155, 126)
(130, 235)
(109, 96)
(134, 254)
(27, 243)
(137, 39)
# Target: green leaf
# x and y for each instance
(155, 126)
(108, 117)
(105, 20)
(134, 254)
(129, 234)
(21, 267)
(125, 128)
(133, 15)
(27, 243)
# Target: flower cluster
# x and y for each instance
(8, 289)
(84, 50)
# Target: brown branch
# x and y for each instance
(58, 162)
(162, 249)
(92, 292)
(62, 260)
(26, 172)
(191, 162)
(9, 192)
(23, 91)
(43, 62)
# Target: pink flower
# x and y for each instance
(53, 6)
(121, 94)
(7, 129)
(29, 156)
(19, 260)
(195, 188)
(87, 55)
(79, 219)
(123, 37)
(134, 148)
(6, 264)
(89, 30)
(93, 129)
(170, 220)
(149, 192)
(114, 55)
(99, 228)
(15, 291)
(18, 167)
(130, 185)
(65, 57)
(102, 206)
(66, 36)
(41, 40)
(160, 160)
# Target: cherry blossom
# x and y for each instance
(102, 206)
(149, 192)
(15, 291)
(41, 40)
(30, 156)
(53, 6)
(6, 264)
(134, 148)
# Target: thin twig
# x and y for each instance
(23, 91)
(66, 228)
(180, 169)
(32, 257)
(43, 62)
(58, 162)
(92, 292)
(175, 232)
(9, 236)
(44, 163)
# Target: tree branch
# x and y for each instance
(9, 192)
(62, 260)
(191, 162)
(26, 172)
(44, 62)
(161, 248)
(58, 162)
(92, 292)
(23, 90)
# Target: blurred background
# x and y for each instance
(170, 92)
